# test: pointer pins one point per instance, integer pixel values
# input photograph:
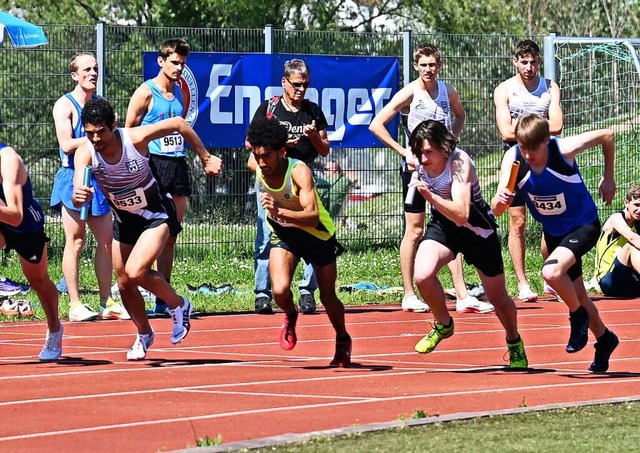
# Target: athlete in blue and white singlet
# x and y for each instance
(133, 192)
(33, 217)
(63, 182)
(557, 197)
(162, 109)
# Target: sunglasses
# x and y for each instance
(304, 85)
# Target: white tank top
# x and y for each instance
(129, 183)
(523, 102)
(423, 107)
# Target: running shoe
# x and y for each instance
(604, 348)
(437, 334)
(517, 356)
(24, 308)
(81, 313)
(579, 335)
(307, 304)
(9, 307)
(526, 295)
(472, 305)
(412, 303)
(477, 290)
(288, 338)
(342, 357)
(181, 321)
(549, 291)
(114, 310)
(450, 293)
(139, 349)
(262, 305)
(10, 288)
(52, 350)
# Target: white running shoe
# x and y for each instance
(146, 295)
(81, 313)
(181, 323)
(52, 349)
(472, 305)
(139, 349)
(549, 291)
(526, 295)
(114, 310)
(412, 303)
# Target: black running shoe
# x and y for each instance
(604, 348)
(307, 304)
(263, 305)
(579, 330)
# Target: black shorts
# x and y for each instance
(30, 246)
(485, 254)
(172, 174)
(306, 246)
(419, 204)
(620, 281)
(579, 241)
(127, 227)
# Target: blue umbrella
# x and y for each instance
(21, 32)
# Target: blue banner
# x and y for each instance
(225, 89)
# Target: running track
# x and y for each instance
(231, 378)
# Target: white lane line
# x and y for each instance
(610, 382)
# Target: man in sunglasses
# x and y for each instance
(307, 138)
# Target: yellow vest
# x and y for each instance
(286, 197)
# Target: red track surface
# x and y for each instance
(230, 377)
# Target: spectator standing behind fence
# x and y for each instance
(336, 190)
(461, 222)
(302, 229)
(524, 93)
(144, 215)
(618, 249)
(557, 197)
(155, 100)
(22, 229)
(426, 98)
(70, 133)
(306, 125)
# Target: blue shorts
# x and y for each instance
(620, 281)
(62, 194)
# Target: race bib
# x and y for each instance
(173, 143)
(129, 201)
(280, 221)
(549, 204)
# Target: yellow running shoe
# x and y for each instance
(517, 356)
(437, 334)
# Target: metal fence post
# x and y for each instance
(268, 39)
(550, 57)
(406, 56)
(100, 57)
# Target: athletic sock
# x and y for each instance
(605, 336)
(516, 341)
(446, 326)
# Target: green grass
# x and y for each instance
(380, 266)
(612, 427)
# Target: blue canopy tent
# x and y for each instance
(21, 32)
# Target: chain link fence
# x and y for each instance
(221, 213)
